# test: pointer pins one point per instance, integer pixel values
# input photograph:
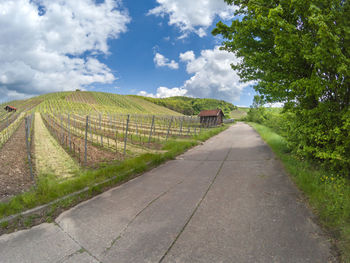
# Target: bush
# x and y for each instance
(320, 134)
(323, 135)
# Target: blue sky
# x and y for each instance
(153, 47)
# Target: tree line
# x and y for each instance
(192, 106)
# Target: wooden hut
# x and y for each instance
(10, 108)
(211, 117)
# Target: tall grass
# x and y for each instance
(328, 193)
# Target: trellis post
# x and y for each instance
(126, 133)
(150, 133)
(101, 131)
(27, 130)
(69, 137)
(86, 134)
(170, 122)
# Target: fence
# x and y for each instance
(119, 133)
(10, 128)
(73, 144)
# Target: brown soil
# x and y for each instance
(95, 155)
(14, 170)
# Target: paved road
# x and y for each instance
(228, 200)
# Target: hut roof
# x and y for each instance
(207, 113)
(11, 107)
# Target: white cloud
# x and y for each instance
(164, 92)
(162, 61)
(213, 76)
(50, 45)
(192, 16)
(187, 56)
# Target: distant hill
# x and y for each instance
(86, 102)
(192, 106)
(239, 113)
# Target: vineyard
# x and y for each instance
(59, 134)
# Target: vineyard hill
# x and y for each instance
(90, 102)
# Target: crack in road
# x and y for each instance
(81, 247)
(143, 209)
(196, 208)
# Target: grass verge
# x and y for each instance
(328, 193)
(48, 188)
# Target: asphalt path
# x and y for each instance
(227, 200)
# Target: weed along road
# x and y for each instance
(227, 200)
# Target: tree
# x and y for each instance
(257, 112)
(298, 52)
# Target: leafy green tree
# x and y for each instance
(298, 52)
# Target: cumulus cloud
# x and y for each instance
(51, 45)
(212, 75)
(187, 56)
(162, 61)
(164, 92)
(192, 16)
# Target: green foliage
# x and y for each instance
(315, 134)
(323, 135)
(193, 106)
(257, 113)
(298, 52)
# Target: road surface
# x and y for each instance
(227, 200)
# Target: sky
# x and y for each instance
(157, 48)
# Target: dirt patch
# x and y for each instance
(14, 172)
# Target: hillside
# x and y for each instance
(83, 101)
(192, 106)
(73, 130)
(239, 113)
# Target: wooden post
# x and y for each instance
(86, 134)
(195, 126)
(189, 126)
(27, 130)
(91, 138)
(116, 140)
(137, 128)
(150, 133)
(126, 133)
(167, 134)
(101, 131)
(181, 125)
(70, 141)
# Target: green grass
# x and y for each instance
(328, 193)
(48, 188)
